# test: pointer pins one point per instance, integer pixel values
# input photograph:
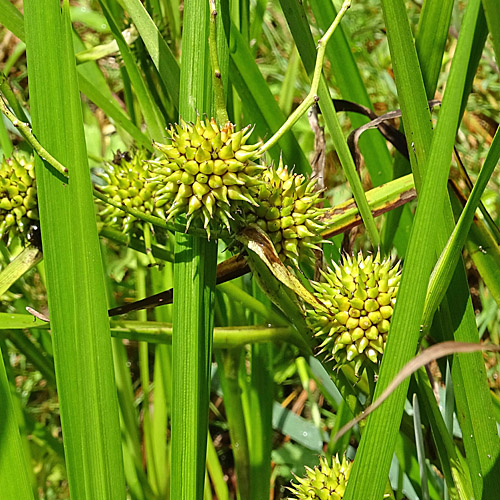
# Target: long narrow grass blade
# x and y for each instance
(21, 264)
(447, 453)
(229, 361)
(89, 87)
(194, 281)
(14, 479)
(419, 440)
(75, 285)
(194, 284)
(215, 471)
(11, 18)
(158, 50)
(492, 13)
(380, 199)
(433, 26)
(407, 315)
(486, 256)
(112, 109)
(151, 114)
(261, 392)
(443, 271)
(41, 360)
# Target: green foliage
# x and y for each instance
(237, 223)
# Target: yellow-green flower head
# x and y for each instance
(126, 182)
(205, 172)
(324, 482)
(18, 199)
(359, 294)
(287, 210)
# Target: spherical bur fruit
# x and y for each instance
(18, 197)
(127, 181)
(217, 163)
(283, 200)
(324, 482)
(357, 309)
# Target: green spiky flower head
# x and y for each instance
(205, 172)
(359, 294)
(324, 482)
(18, 199)
(288, 212)
(126, 181)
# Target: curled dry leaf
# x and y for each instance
(258, 242)
(435, 352)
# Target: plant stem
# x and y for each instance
(312, 96)
(219, 97)
(25, 129)
(224, 337)
(156, 221)
(194, 283)
(229, 376)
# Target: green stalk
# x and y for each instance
(219, 97)
(25, 129)
(161, 333)
(5, 142)
(312, 97)
(194, 284)
(230, 360)
(348, 78)
(300, 30)
(13, 461)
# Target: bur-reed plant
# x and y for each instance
(198, 178)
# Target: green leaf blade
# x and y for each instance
(76, 293)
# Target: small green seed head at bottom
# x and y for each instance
(324, 482)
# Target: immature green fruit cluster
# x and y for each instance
(324, 482)
(18, 200)
(288, 212)
(360, 295)
(127, 183)
(203, 171)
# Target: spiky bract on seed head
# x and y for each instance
(324, 482)
(126, 181)
(359, 294)
(18, 198)
(205, 172)
(287, 210)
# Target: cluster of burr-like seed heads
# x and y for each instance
(209, 176)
